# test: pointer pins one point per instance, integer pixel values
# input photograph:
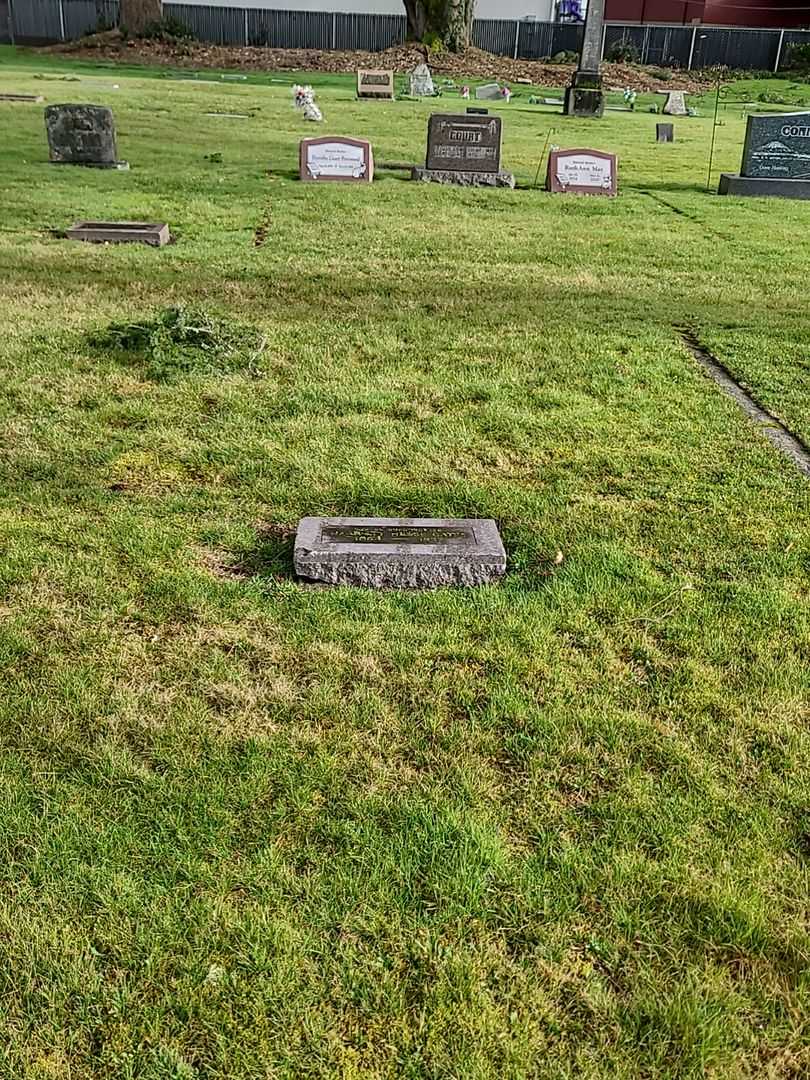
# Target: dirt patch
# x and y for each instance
(472, 64)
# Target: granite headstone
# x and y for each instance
(488, 92)
(375, 84)
(776, 157)
(336, 157)
(403, 553)
(82, 135)
(675, 105)
(421, 81)
(582, 172)
(665, 132)
(464, 150)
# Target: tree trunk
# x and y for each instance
(449, 20)
(136, 15)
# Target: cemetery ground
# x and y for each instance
(250, 828)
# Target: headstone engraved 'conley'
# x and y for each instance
(776, 157)
(464, 149)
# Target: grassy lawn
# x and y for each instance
(252, 829)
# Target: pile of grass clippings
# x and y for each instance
(180, 341)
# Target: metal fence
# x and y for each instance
(46, 21)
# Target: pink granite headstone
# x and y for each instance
(336, 157)
(582, 172)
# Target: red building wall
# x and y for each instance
(715, 12)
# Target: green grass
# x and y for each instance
(554, 828)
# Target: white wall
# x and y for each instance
(485, 9)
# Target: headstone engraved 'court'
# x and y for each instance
(464, 149)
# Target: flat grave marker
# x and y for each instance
(375, 84)
(464, 149)
(404, 553)
(582, 172)
(336, 157)
(156, 233)
(35, 98)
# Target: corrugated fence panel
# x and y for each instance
(36, 21)
(88, 16)
(538, 40)
(217, 25)
(290, 29)
(371, 32)
(752, 49)
(494, 35)
(792, 37)
(42, 21)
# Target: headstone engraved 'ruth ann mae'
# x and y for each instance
(375, 84)
(404, 553)
(582, 172)
(336, 157)
(82, 135)
(776, 158)
(464, 150)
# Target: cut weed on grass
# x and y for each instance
(179, 341)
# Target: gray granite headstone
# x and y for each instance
(665, 132)
(777, 146)
(489, 92)
(82, 135)
(675, 105)
(421, 81)
(464, 149)
(404, 553)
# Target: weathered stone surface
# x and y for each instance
(82, 135)
(488, 92)
(665, 133)
(777, 146)
(763, 187)
(399, 553)
(675, 105)
(465, 142)
(421, 82)
(156, 234)
(463, 178)
(585, 97)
